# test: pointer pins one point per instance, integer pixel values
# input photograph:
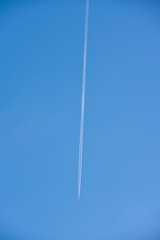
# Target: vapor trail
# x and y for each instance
(83, 100)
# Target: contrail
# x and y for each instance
(83, 100)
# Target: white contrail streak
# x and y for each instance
(83, 100)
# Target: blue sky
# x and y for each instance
(41, 60)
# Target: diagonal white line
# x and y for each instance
(83, 100)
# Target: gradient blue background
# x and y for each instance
(41, 58)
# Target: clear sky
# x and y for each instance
(41, 61)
